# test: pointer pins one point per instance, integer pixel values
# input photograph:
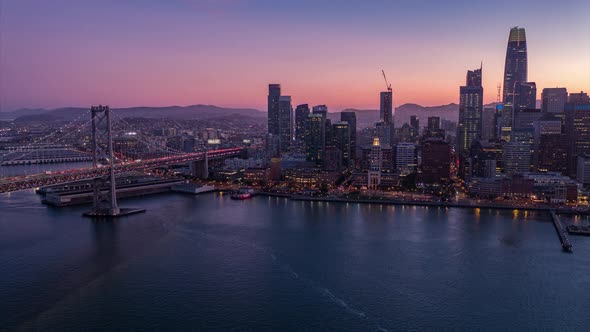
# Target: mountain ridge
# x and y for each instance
(365, 117)
(198, 111)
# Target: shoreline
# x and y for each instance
(419, 203)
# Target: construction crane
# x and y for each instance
(386, 83)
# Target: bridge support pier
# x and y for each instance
(200, 168)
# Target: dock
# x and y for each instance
(578, 230)
(82, 192)
(561, 232)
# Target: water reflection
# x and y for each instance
(105, 236)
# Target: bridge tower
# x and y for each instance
(105, 195)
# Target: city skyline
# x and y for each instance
(351, 165)
(331, 59)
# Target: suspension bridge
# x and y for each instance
(108, 160)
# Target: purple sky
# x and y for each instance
(179, 52)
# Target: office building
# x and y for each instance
(385, 132)
(488, 123)
(405, 158)
(386, 107)
(341, 140)
(553, 100)
(274, 93)
(272, 145)
(387, 157)
(486, 158)
(323, 111)
(285, 123)
(331, 159)
(518, 152)
(350, 117)
(433, 122)
(470, 111)
(524, 97)
(515, 66)
(524, 118)
(577, 124)
(301, 113)
(551, 153)
(415, 127)
(314, 137)
(550, 145)
(583, 170)
(436, 162)
(515, 71)
(579, 98)
(376, 162)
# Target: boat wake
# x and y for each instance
(325, 292)
(341, 303)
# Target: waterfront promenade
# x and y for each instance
(460, 204)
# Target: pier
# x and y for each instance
(561, 232)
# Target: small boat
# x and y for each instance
(241, 196)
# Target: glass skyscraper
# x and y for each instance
(470, 110)
(301, 113)
(386, 107)
(274, 92)
(285, 123)
(350, 117)
(515, 72)
(515, 67)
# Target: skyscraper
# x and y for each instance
(488, 123)
(550, 144)
(577, 125)
(470, 111)
(285, 123)
(314, 133)
(350, 117)
(274, 92)
(579, 98)
(433, 130)
(376, 163)
(323, 111)
(301, 113)
(341, 140)
(518, 152)
(386, 108)
(415, 125)
(384, 132)
(515, 70)
(515, 67)
(405, 157)
(553, 100)
(525, 96)
(525, 118)
(436, 162)
(433, 122)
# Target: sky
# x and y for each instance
(225, 52)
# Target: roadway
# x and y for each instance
(16, 183)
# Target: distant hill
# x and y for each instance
(22, 112)
(367, 118)
(364, 118)
(405, 111)
(193, 112)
